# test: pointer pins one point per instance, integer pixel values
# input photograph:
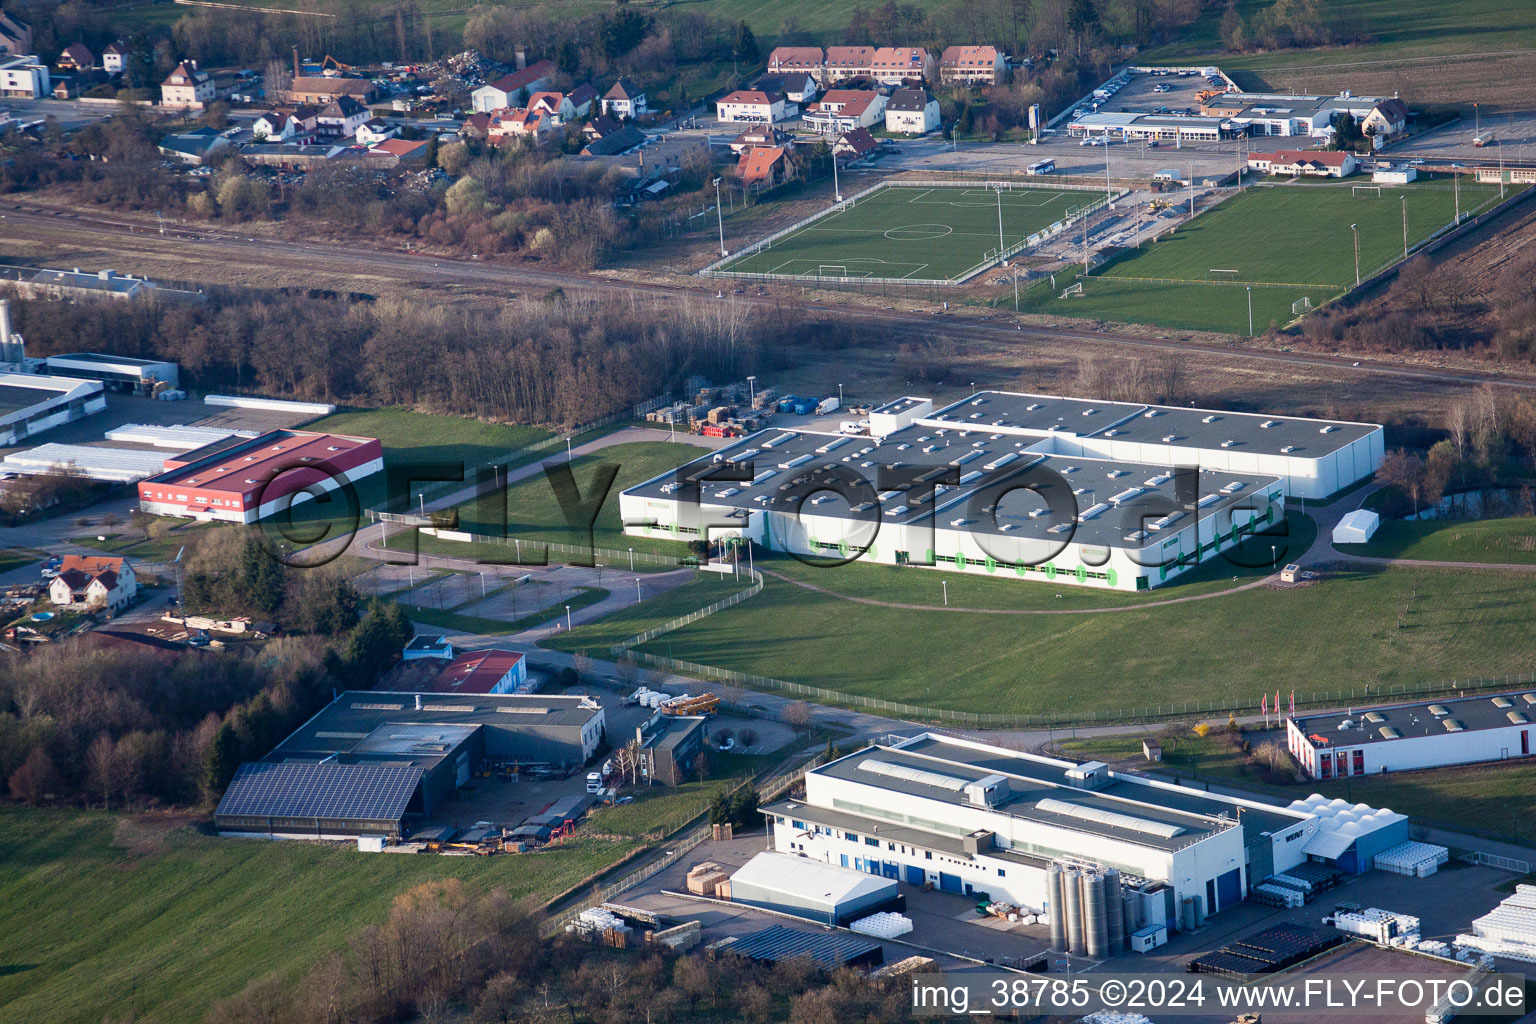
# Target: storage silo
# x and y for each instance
(1072, 909)
(1199, 902)
(1095, 917)
(1133, 911)
(1058, 911)
(1114, 912)
(1187, 914)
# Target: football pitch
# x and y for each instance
(914, 232)
(1288, 247)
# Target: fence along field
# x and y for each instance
(929, 232)
(1288, 243)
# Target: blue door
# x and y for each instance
(914, 875)
(1229, 889)
(950, 883)
(890, 869)
(872, 866)
(845, 860)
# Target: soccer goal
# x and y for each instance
(1300, 306)
(1372, 190)
(1071, 290)
(1222, 273)
(832, 270)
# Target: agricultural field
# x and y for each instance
(110, 916)
(914, 233)
(1053, 648)
(1283, 244)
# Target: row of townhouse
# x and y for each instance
(891, 65)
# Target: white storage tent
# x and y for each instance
(1357, 527)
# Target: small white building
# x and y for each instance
(625, 100)
(1395, 175)
(114, 59)
(1403, 737)
(750, 106)
(1356, 527)
(342, 117)
(24, 77)
(842, 110)
(187, 87)
(911, 112)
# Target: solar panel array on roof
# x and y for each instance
(826, 950)
(333, 791)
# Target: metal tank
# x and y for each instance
(1114, 911)
(1057, 908)
(1199, 911)
(1072, 909)
(1187, 914)
(1095, 916)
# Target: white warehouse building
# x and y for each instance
(1106, 494)
(972, 818)
(1402, 737)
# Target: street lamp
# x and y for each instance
(837, 189)
(567, 447)
(567, 618)
(1356, 229)
(637, 590)
(752, 391)
(632, 561)
(1405, 226)
(839, 396)
(1250, 310)
(720, 220)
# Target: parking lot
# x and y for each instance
(1514, 133)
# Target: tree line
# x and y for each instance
(1489, 439)
(554, 359)
(448, 953)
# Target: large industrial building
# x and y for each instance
(1108, 494)
(371, 763)
(242, 480)
(31, 403)
(1402, 737)
(971, 818)
(123, 373)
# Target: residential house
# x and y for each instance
(519, 123)
(766, 165)
(750, 106)
(598, 127)
(511, 90)
(194, 146)
(844, 109)
(280, 126)
(15, 35)
(1387, 119)
(76, 57)
(341, 118)
(973, 65)
(403, 151)
(624, 139)
(625, 100)
(475, 126)
(854, 145)
(1309, 163)
(320, 90)
(187, 87)
(845, 63)
(898, 65)
(555, 105)
(911, 112)
(114, 59)
(23, 76)
(94, 582)
(582, 98)
(376, 130)
(809, 59)
(762, 135)
(794, 86)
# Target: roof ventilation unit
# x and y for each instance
(1209, 419)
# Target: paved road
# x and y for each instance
(126, 234)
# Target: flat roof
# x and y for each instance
(239, 466)
(1038, 791)
(20, 391)
(363, 727)
(674, 729)
(1386, 722)
(847, 821)
(900, 405)
(100, 357)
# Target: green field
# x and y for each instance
(112, 917)
(1385, 628)
(1287, 242)
(1511, 541)
(914, 232)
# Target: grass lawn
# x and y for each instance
(1384, 628)
(662, 810)
(534, 513)
(597, 637)
(450, 619)
(15, 558)
(114, 916)
(914, 232)
(1307, 252)
(1511, 541)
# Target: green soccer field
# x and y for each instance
(914, 232)
(1287, 243)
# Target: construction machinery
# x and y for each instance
(703, 704)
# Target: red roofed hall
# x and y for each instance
(1315, 163)
(490, 671)
(252, 478)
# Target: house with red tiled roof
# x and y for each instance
(93, 582)
(897, 65)
(76, 57)
(519, 123)
(750, 106)
(855, 145)
(405, 151)
(476, 126)
(187, 87)
(848, 62)
(797, 58)
(972, 65)
(840, 110)
(765, 165)
(1309, 163)
(488, 671)
(556, 105)
(762, 135)
(511, 90)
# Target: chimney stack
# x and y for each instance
(418, 702)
